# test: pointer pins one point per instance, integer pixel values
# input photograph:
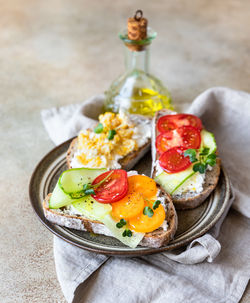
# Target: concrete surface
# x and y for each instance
(59, 52)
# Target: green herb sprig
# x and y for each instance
(111, 134)
(148, 211)
(127, 233)
(99, 128)
(204, 159)
(121, 223)
(156, 204)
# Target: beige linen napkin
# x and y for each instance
(159, 278)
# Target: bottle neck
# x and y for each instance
(137, 60)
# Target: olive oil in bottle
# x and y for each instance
(137, 91)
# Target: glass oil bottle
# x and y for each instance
(137, 91)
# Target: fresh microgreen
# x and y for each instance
(111, 134)
(204, 159)
(199, 167)
(98, 129)
(148, 211)
(204, 151)
(127, 233)
(89, 191)
(86, 186)
(121, 223)
(156, 204)
(191, 153)
(211, 159)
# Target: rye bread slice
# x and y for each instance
(187, 200)
(154, 239)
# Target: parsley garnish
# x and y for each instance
(148, 211)
(127, 233)
(111, 134)
(98, 129)
(204, 159)
(121, 223)
(156, 204)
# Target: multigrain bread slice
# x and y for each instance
(154, 239)
(187, 200)
(126, 163)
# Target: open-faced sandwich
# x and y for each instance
(127, 206)
(117, 141)
(185, 162)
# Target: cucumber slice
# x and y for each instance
(70, 184)
(133, 241)
(171, 182)
(92, 209)
(59, 199)
(72, 180)
(208, 140)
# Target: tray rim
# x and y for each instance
(144, 251)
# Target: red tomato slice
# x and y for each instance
(170, 122)
(167, 140)
(113, 189)
(174, 161)
(188, 120)
(191, 137)
(166, 123)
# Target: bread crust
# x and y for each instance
(211, 178)
(154, 239)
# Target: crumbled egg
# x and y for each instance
(96, 150)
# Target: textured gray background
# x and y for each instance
(58, 52)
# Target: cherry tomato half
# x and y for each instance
(174, 161)
(167, 140)
(185, 136)
(113, 189)
(170, 122)
(166, 123)
(191, 137)
(188, 120)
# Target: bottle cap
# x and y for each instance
(137, 30)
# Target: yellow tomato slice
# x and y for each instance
(129, 206)
(145, 224)
(144, 185)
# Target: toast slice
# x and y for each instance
(188, 200)
(155, 239)
(130, 159)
